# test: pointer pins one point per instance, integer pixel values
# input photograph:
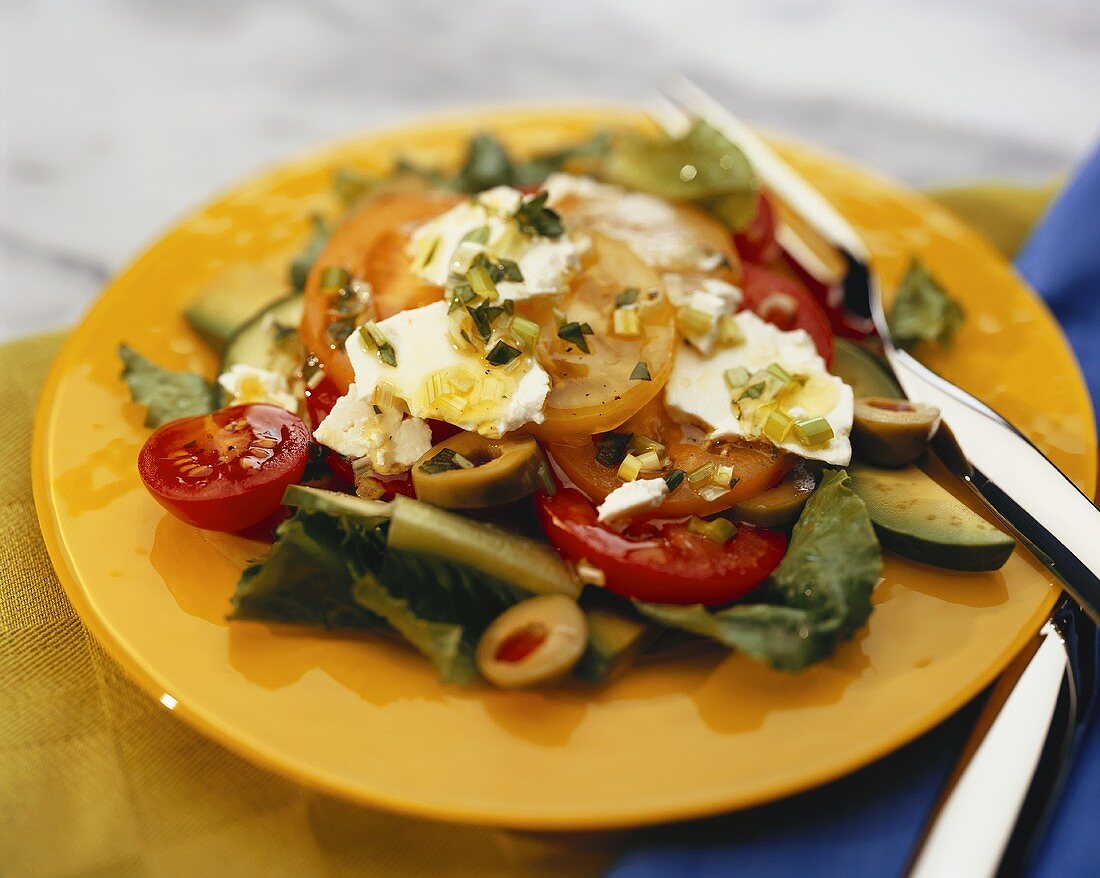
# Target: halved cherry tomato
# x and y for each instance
(664, 563)
(758, 466)
(371, 245)
(225, 470)
(787, 303)
(757, 242)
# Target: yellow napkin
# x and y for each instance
(97, 779)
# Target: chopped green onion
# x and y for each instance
(383, 394)
(465, 257)
(450, 406)
(527, 331)
(642, 444)
(481, 283)
(425, 252)
(693, 321)
(641, 372)
(778, 425)
(534, 218)
(574, 333)
(629, 468)
(702, 474)
(720, 530)
(373, 335)
(674, 478)
(723, 476)
(334, 277)
(813, 431)
(502, 354)
(782, 375)
(626, 297)
(612, 448)
(509, 242)
(483, 316)
(626, 323)
(505, 269)
(753, 392)
(736, 378)
(339, 330)
(729, 333)
(649, 461)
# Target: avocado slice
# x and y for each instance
(863, 371)
(229, 300)
(615, 639)
(917, 518)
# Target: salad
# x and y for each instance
(542, 418)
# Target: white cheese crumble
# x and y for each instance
(390, 442)
(423, 347)
(631, 498)
(716, 298)
(696, 390)
(650, 226)
(250, 384)
(545, 263)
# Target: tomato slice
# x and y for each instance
(757, 242)
(758, 466)
(787, 303)
(664, 563)
(226, 470)
(371, 246)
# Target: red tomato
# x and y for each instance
(845, 323)
(664, 563)
(788, 304)
(226, 470)
(757, 242)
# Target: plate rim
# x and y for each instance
(288, 766)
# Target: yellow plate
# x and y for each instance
(367, 719)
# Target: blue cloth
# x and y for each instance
(867, 824)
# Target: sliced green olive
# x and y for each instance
(892, 432)
(536, 641)
(470, 471)
(778, 506)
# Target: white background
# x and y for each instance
(116, 117)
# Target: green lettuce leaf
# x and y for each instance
(166, 395)
(818, 595)
(306, 578)
(702, 165)
(923, 310)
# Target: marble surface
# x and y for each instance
(117, 116)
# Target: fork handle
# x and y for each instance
(1015, 479)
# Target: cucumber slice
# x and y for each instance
(863, 371)
(264, 342)
(230, 300)
(522, 562)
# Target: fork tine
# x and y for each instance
(779, 176)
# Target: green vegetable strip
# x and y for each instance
(166, 395)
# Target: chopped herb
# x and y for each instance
(166, 395)
(509, 307)
(502, 354)
(673, 478)
(923, 310)
(534, 218)
(483, 316)
(575, 333)
(480, 235)
(445, 460)
(641, 372)
(334, 277)
(626, 297)
(373, 336)
(505, 270)
(612, 448)
(378, 409)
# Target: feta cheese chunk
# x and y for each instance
(709, 295)
(390, 442)
(650, 226)
(631, 498)
(430, 371)
(545, 263)
(247, 384)
(697, 392)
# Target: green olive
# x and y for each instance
(892, 432)
(778, 506)
(503, 470)
(536, 641)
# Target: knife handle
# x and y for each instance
(1015, 479)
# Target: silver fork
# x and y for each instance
(1029, 733)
